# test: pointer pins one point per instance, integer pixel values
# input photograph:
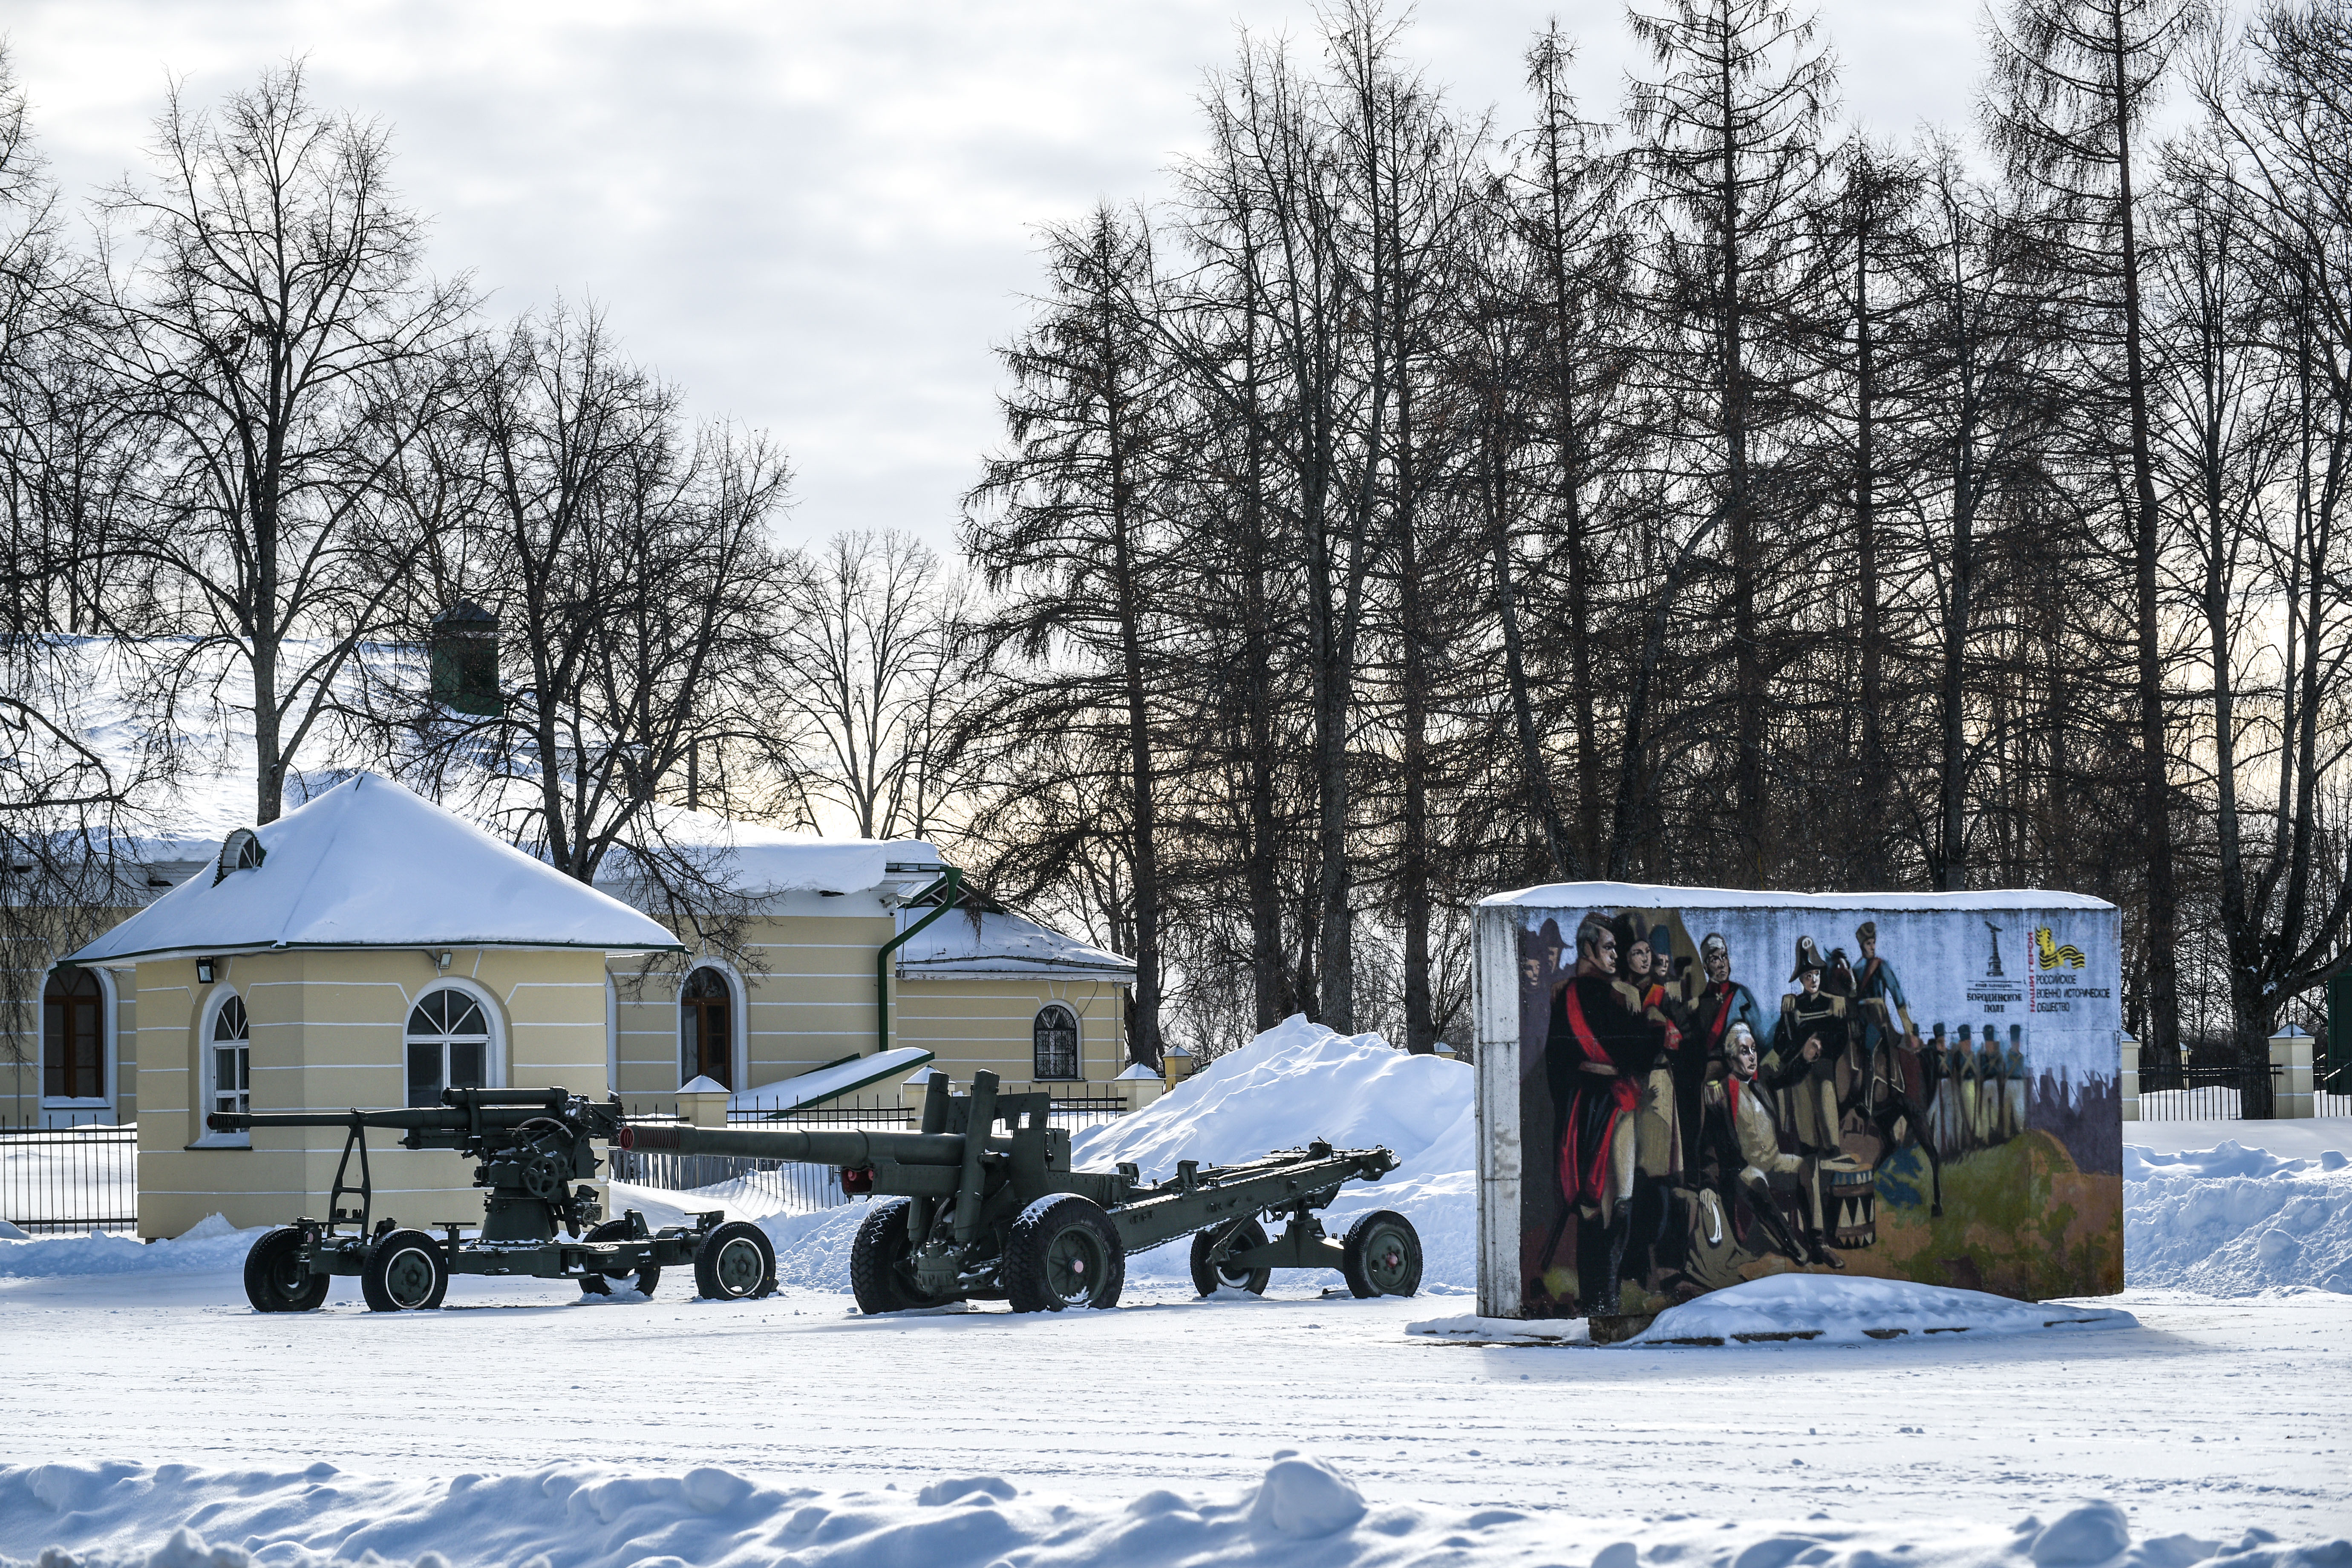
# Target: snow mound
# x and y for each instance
(1301, 1510)
(2234, 1221)
(1293, 1084)
(1299, 1082)
(210, 1243)
(1826, 1308)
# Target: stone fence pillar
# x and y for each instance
(2291, 1049)
(2127, 1078)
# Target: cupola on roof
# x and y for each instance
(369, 864)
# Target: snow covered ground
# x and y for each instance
(143, 1397)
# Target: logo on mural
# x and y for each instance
(2051, 955)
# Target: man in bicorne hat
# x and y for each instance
(1813, 1032)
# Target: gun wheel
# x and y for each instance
(647, 1279)
(1381, 1254)
(1063, 1251)
(734, 1261)
(879, 1276)
(405, 1273)
(276, 1280)
(1211, 1275)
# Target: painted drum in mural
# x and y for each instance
(1681, 1088)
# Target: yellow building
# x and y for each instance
(367, 948)
(842, 930)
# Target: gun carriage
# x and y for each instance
(970, 1214)
(532, 1146)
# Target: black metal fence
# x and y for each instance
(55, 1179)
(788, 1186)
(2238, 1092)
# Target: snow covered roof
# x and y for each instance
(1001, 943)
(369, 864)
(1642, 895)
(762, 861)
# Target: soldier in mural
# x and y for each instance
(1744, 1156)
(1596, 1053)
(1945, 1123)
(1886, 1022)
(2013, 1098)
(1717, 1003)
(1658, 1146)
(1813, 1028)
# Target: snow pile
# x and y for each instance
(1300, 1511)
(1299, 1082)
(1833, 1309)
(2233, 1221)
(210, 1243)
(1293, 1084)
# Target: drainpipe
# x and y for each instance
(950, 882)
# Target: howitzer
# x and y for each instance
(972, 1214)
(530, 1145)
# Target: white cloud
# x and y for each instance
(817, 218)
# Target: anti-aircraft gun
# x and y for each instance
(532, 1146)
(975, 1216)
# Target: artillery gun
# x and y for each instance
(532, 1145)
(975, 1216)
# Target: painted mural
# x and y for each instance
(1712, 1096)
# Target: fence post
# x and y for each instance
(1137, 1086)
(2127, 1077)
(2291, 1050)
(703, 1108)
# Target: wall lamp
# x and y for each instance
(441, 959)
(205, 971)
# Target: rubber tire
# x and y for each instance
(881, 1245)
(395, 1247)
(718, 1273)
(1358, 1262)
(646, 1280)
(1209, 1279)
(269, 1275)
(1030, 1259)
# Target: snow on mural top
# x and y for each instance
(1559, 895)
(369, 864)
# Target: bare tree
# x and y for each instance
(276, 331)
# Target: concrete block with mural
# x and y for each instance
(1683, 1089)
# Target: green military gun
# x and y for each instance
(975, 1216)
(532, 1145)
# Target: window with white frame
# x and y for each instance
(228, 1059)
(449, 1045)
(1055, 1039)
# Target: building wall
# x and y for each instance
(23, 1051)
(968, 1024)
(812, 1004)
(328, 1031)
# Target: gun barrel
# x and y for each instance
(409, 1120)
(847, 1147)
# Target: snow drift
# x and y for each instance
(1300, 1513)
(210, 1243)
(1291, 1085)
(2232, 1221)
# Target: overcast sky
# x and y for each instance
(816, 219)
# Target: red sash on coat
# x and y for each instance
(1601, 1100)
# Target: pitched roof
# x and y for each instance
(1002, 944)
(369, 864)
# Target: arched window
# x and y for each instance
(706, 1028)
(73, 1036)
(449, 1045)
(1055, 1038)
(229, 1058)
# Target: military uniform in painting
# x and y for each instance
(1809, 1014)
(1744, 1146)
